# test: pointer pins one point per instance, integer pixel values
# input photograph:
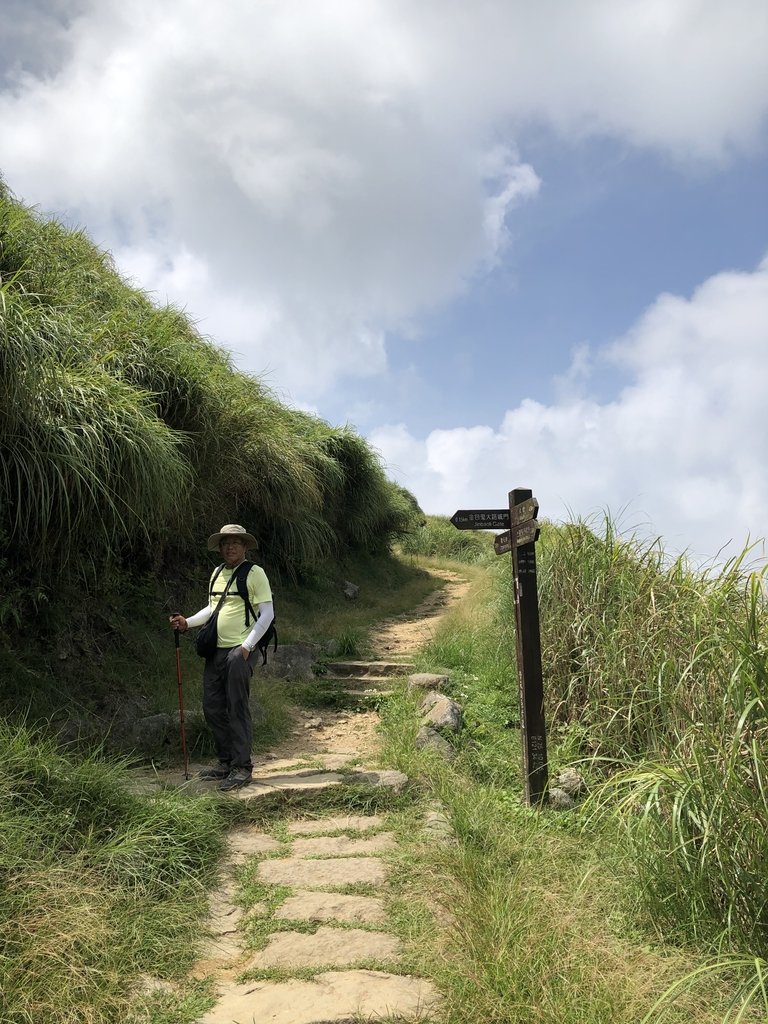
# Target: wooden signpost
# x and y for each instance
(521, 531)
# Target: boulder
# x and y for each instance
(150, 734)
(426, 681)
(427, 738)
(571, 782)
(291, 661)
(350, 590)
(429, 700)
(444, 714)
(559, 800)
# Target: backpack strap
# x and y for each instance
(241, 574)
(213, 580)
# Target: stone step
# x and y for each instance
(351, 684)
(334, 997)
(328, 947)
(320, 874)
(144, 781)
(370, 668)
(309, 905)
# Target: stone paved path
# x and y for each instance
(315, 924)
(331, 955)
(351, 945)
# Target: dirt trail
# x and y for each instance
(355, 732)
(407, 633)
(358, 969)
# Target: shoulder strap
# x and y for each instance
(242, 588)
(226, 589)
(213, 580)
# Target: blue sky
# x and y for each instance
(514, 244)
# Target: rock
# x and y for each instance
(249, 842)
(351, 822)
(342, 846)
(438, 827)
(559, 800)
(426, 681)
(387, 777)
(331, 648)
(290, 661)
(570, 781)
(332, 906)
(444, 714)
(314, 723)
(432, 740)
(333, 996)
(328, 947)
(429, 701)
(350, 590)
(150, 734)
(314, 874)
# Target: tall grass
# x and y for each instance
(437, 537)
(656, 683)
(96, 886)
(126, 437)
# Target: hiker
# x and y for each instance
(228, 670)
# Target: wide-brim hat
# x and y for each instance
(232, 530)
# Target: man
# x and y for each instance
(227, 673)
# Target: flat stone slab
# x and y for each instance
(313, 762)
(335, 997)
(352, 684)
(369, 668)
(328, 947)
(350, 823)
(245, 843)
(342, 846)
(312, 874)
(289, 782)
(332, 906)
(387, 777)
(305, 779)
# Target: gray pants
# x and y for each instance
(226, 692)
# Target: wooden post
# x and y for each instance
(523, 508)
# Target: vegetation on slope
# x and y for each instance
(436, 537)
(124, 434)
(96, 885)
(656, 689)
(126, 438)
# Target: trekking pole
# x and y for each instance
(181, 700)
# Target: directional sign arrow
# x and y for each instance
(502, 542)
(526, 533)
(481, 519)
(526, 510)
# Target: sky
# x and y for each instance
(514, 244)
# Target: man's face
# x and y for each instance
(232, 551)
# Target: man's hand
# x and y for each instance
(246, 653)
(179, 622)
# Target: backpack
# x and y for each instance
(241, 585)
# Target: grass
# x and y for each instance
(651, 915)
(97, 886)
(126, 438)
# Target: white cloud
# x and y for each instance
(305, 177)
(682, 447)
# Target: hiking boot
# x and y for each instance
(216, 771)
(236, 779)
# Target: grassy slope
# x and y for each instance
(98, 887)
(553, 916)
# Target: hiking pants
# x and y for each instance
(226, 693)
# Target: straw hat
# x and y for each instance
(232, 530)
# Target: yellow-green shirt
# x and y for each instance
(232, 629)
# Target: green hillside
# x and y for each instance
(126, 438)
